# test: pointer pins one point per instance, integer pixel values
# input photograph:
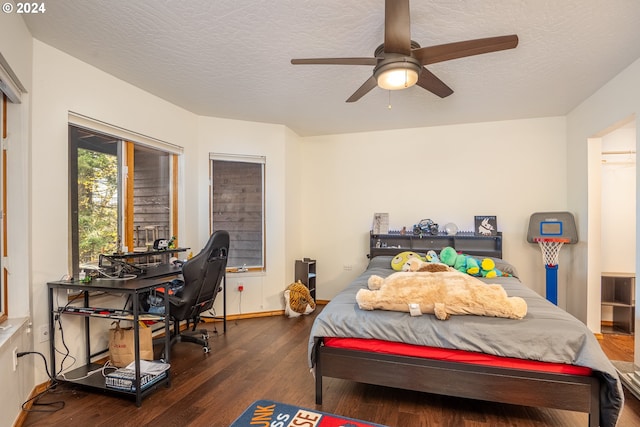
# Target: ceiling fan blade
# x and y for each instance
(364, 89)
(427, 80)
(445, 52)
(336, 61)
(397, 27)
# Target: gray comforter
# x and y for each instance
(547, 333)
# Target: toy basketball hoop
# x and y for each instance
(551, 230)
(550, 248)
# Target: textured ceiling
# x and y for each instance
(231, 58)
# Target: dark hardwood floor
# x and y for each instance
(266, 358)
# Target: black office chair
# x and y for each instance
(202, 277)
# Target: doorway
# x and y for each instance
(618, 229)
(612, 223)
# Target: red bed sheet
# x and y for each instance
(450, 355)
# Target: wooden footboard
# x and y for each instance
(504, 385)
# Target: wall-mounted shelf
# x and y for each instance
(468, 243)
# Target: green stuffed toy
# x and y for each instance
(461, 262)
(488, 269)
(401, 261)
(470, 265)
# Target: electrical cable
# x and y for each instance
(58, 320)
(57, 405)
(101, 369)
(68, 352)
(117, 276)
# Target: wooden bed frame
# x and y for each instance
(494, 384)
(504, 385)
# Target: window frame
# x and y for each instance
(4, 273)
(73, 193)
(127, 141)
(11, 91)
(257, 159)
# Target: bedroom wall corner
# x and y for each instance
(262, 290)
(615, 101)
(294, 188)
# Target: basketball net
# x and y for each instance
(550, 249)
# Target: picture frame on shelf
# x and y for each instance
(380, 223)
(485, 225)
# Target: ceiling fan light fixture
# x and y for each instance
(397, 75)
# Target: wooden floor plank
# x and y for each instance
(266, 358)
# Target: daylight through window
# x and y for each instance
(121, 196)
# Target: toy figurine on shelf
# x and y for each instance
(119, 248)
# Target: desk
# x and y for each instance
(153, 278)
(129, 257)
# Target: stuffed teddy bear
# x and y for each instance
(443, 293)
(461, 262)
(298, 300)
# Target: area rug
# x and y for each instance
(265, 413)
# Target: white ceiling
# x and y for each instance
(231, 58)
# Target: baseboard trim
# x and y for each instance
(254, 315)
(39, 388)
(212, 319)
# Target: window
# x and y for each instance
(11, 91)
(237, 205)
(4, 309)
(121, 195)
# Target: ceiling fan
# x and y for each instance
(399, 62)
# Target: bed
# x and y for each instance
(548, 359)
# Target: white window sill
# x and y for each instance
(236, 274)
(9, 328)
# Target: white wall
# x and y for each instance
(293, 213)
(17, 385)
(619, 202)
(615, 101)
(16, 47)
(449, 174)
